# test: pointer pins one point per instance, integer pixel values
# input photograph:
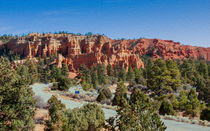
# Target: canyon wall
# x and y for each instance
(95, 49)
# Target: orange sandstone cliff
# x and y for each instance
(95, 49)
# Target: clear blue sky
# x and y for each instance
(186, 21)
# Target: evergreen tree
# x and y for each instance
(182, 100)
(174, 102)
(174, 73)
(86, 86)
(104, 93)
(32, 71)
(120, 94)
(102, 77)
(23, 71)
(110, 71)
(203, 69)
(130, 75)
(193, 105)
(65, 70)
(87, 118)
(85, 74)
(64, 83)
(94, 79)
(139, 114)
(122, 74)
(139, 79)
(55, 73)
(159, 79)
(188, 71)
(57, 121)
(17, 105)
(166, 108)
(204, 92)
(40, 69)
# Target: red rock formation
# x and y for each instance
(90, 50)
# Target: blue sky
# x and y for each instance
(186, 21)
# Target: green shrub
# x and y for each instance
(166, 108)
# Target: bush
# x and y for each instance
(104, 94)
(166, 108)
(87, 118)
(64, 83)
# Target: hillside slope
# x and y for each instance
(89, 50)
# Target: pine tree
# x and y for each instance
(174, 102)
(102, 77)
(203, 69)
(122, 74)
(174, 73)
(65, 70)
(182, 100)
(139, 114)
(94, 79)
(166, 108)
(130, 75)
(110, 70)
(139, 79)
(104, 94)
(57, 119)
(85, 74)
(120, 94)
(159, 78)
(193, 103)
(17, 105)
(32, 71)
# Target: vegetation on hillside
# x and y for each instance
(163, 87)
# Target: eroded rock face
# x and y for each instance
(90, 50)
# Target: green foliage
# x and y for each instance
(163, 77)
(88, 117)
(86, 86)
(17, 105)
(6, 38)
(174, 102)
(65, 70)
(130, 75)
(104, 93)
(94, 79)
(64, 83)
(204, 92)
(120, 94)
(89, 34)
(85, 74)
(120, 73)
(57, 119)
(182, 100)
(102, 77)
(190, 104)
(193, 105)
(139, 78)
(5, 52)
(166, 108)
(188, 72)
(110, 71)
(203, 69)
(23, 71)
(32, 70)
(139, 114)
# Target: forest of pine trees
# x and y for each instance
(171, 86)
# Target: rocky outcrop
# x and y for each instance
(95, 49)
